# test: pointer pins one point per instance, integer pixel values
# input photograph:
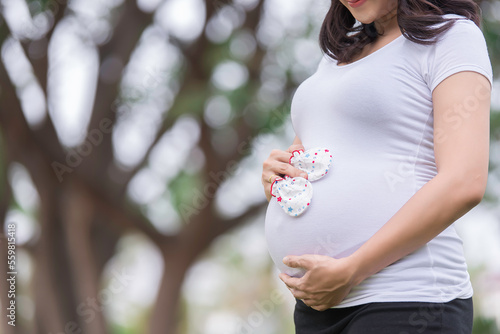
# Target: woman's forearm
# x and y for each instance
(427, 213)
(461, 155)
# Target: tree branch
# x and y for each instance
(45, 133)
(195, 74)
(16, 129)
(40, 63)
(131, 23)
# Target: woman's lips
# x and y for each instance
(356, 3)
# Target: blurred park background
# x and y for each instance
(132, 138)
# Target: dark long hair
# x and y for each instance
(341, 39)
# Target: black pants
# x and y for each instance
(454, 317)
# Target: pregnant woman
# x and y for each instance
(401, 100)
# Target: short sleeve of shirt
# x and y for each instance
(461, 48)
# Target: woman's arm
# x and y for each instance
(461, 144)
(461, 149)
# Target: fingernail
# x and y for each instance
(285, 259)
(304, 175)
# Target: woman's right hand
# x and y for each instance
(277, 164)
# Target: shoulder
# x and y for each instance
(462, 36)
(462, 27)
(460, 48)
(326, 60)
(463, 31)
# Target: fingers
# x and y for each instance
(309, 298)
(267, 191)
(274, 165)
(284, 168)
(279, 155)
(292, 285)
(302, 261)
(309, 302)
(315, 305)
(291, 282)
(300, 294)
(278, 164)
(320, 308)
(295, 147)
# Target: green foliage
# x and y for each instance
(495, 125)
(4, 32)
(185, 192)
(191, 100)
(240, 98)
(116, 329)
(39, 6)
(491, 31)
(485, 326)
(215, 54)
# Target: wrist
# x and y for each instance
(358, 273)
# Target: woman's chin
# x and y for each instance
(364, 19)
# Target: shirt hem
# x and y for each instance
(458, 69)
(404, 298)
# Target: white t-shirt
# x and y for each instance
(376, 117)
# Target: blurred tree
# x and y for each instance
(84, 209)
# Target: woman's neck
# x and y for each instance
(388, 25)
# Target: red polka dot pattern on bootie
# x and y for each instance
(294, 195)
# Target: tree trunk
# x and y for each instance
(165, 315)
(78, 213)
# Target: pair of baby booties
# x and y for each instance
(294, 194)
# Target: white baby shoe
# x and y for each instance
(294, 194)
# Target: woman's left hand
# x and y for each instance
(327, 280)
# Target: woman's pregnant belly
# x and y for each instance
(348, 206)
